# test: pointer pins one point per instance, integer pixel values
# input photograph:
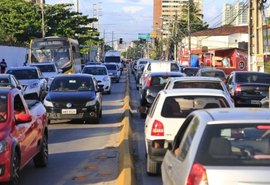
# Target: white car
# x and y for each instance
(32, 80)
(48, 69)
(220, 147)
(196, 82)
(168, 112)
(101, 74)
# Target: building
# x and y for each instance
(36, 1)
(235, 14)
(166, 12)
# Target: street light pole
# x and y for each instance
(188, 27)
(42, 18)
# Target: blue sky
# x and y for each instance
(127, 18)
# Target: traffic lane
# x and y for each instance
(138, 139)
(83, 153)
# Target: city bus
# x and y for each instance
(63, 51)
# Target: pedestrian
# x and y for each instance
(3, 66)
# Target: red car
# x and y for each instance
(23, 134)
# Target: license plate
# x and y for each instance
(255, 102)
(69, 111)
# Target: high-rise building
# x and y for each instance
(36, 1)
(235, 14)
(167, 11)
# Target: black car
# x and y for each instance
(190, 71)
(248, 88)
(74, 96)
(156, 81)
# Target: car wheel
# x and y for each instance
(15, 171)
(152, 167)
(109, 92)
(41, 159)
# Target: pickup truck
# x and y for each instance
(23, 134)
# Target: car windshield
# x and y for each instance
(46, 68)
(4, 82)
(3, 108)
(197, 84)
(72, 84)
(234, 145)
(181, 106)
(111, 67)
(24, 74)
(95, 70)
(252, 78)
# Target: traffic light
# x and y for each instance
(121, 41)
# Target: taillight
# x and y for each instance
(197, 175)
(237, 89)
(157, 129)
(148, 83)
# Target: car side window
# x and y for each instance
(186, 137)
(153, 106)
(18, 106)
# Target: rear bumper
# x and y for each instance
(253, 101)
(157, 149)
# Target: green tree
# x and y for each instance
(18, 21)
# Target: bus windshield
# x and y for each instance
(59, 55)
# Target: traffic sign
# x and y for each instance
(145, 36)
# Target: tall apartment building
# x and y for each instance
(166, 11)
(235, 14)
(36, 1)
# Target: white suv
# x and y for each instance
(101, 74)
(166, 115)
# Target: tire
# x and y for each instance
(152, 167)
(15, 171)
(109, 92)
(41, 159)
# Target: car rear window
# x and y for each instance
(181, 106)
(234, 145)
(218, 74)
(197, 84)
(161, 80)
(252, 78)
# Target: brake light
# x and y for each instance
(238, 89)
(157, 129)
(197, 175)
(263, 127)
(148, 83)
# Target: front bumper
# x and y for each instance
(105, 85)
(90, 112)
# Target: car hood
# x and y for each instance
(29, 81)
(71, 96)
(100, 77)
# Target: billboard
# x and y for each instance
(145, 36)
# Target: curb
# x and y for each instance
(126, 169)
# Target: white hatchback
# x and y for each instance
(101, 74)
(220, 147)
(167, 113)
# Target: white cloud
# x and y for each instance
(118, 1)
(132, 9)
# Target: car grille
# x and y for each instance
(64, 105)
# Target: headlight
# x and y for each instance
(3, 146)
(90, 103)
(105, 79)
(47, 103)
(34, 85)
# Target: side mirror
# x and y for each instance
(23, 118)
(60, 71)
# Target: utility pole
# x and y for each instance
(42, 19)
(188, 28)
(255, 32)
(77, 6)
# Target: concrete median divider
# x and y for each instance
(126, 168)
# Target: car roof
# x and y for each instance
(5, 75)
(196, 78)
(95, 66)
(22, 68)
(210, 69)
(237, 115)
(193, 91)
(166, 73)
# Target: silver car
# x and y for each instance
(220, 147)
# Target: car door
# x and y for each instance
(26, 132)
(176, 164)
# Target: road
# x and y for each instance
(138, 140)
(83, 153)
